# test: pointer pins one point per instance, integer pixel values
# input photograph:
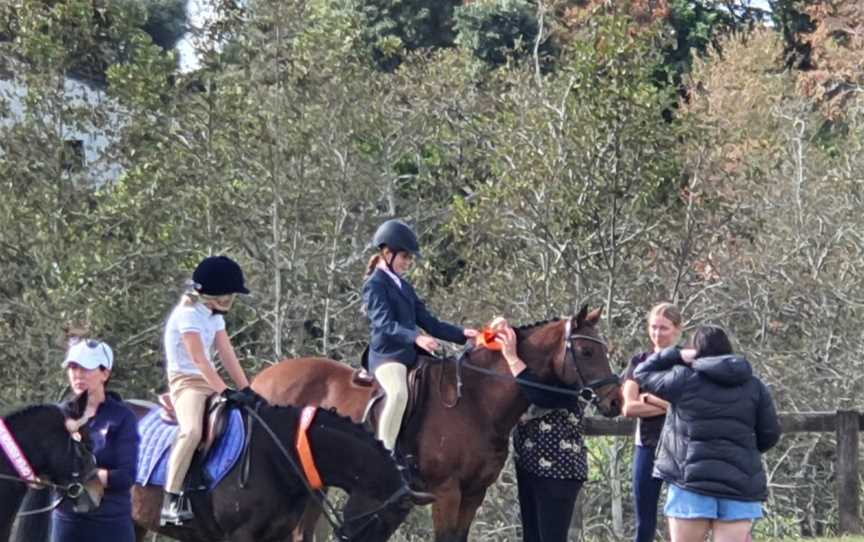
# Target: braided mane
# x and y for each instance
(526, 327)
(335, 420)
(29, 409)
(345, 423)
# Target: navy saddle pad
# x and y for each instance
(157, 436)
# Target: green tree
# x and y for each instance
(104, 40)
(394, 27)
(495, 31)
(62, 250)
(794, 23)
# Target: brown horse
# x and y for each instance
(461, 449)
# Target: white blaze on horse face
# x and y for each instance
(74, 426)
(559, 361)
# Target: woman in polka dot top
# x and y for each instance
(550, 455)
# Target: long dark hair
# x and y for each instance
(711, 341)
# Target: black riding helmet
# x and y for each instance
(397, 236)
(219, 275)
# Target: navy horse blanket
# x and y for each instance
(157, 436)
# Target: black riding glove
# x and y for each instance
(239, 397)
(251, 396)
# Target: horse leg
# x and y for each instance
(445, 512)
(467, 511)
(305, 530)
(146, 505)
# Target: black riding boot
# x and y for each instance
(403, 468)
(175, 510)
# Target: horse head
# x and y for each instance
(572, 351)
(352, 459)
(368, 519)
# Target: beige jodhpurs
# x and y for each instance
(393, 377)
(189, 394)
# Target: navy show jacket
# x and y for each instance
(394, 315)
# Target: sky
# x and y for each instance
(198, 11)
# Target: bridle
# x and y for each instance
(370, 517)
(588, 391)
(74, 490)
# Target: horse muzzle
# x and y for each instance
(86, 496)
(607, 398)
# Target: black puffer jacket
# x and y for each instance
(720, 420)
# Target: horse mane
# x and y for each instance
(342, 423)
(526, 327)
(29, 409)
(348, 425)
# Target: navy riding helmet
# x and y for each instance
(397, 236)
(219, 275)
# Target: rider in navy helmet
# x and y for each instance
(396, 235)
(219, 275)
(395, 313)
(193, 331)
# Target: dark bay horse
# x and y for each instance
(45, 435)
(270, 504)
(462, 448)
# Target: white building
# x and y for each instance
(87, 143)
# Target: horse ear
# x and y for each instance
(75, 408)
(580, 317)
(593, 317)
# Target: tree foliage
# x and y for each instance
(394, 27)
(96, 35)
(496, 31)
(533, 188)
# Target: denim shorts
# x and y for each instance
(684, 504)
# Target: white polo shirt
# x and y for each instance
(183, 318)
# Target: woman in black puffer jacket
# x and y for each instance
(720, 421)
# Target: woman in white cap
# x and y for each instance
(113, 431)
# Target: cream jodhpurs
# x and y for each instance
(393, 377)
(189, 394)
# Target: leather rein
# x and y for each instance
(308, 473)
(587, 391)
(26, 475)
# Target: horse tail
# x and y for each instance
(35, 527)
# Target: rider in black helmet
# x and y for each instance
(194, 329)
(395, 312)
(398, 236)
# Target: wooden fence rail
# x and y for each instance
(845, 423)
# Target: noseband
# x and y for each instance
(588, 391)
(370, 517)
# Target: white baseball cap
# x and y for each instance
(89, 354)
